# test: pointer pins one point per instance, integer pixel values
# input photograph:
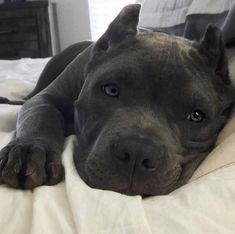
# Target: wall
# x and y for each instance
(73, 21)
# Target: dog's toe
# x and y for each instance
(55, 173)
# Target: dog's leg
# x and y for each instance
(33, 158)
(4, 100)
(56, 66)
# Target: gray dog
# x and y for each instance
(146, 109)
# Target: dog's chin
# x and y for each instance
(147, 188)
(135, 189)
(153, 191)
(137, 186)
(131, 188)
(148, 192)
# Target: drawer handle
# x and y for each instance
(6, 31)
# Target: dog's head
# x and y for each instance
(151, 107)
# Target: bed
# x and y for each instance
(206, 204)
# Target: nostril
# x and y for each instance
(124, 157)
(148, 164)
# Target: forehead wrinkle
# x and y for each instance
(180, 54)
(180, 58)
(161, 41)
(169, 50)
(115, 70)
(200, 85)
(203, 92)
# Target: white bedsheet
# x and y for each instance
(204, 205)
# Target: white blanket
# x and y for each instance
(205, 205)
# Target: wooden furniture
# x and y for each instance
(25, 30)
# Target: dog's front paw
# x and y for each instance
(28, 163)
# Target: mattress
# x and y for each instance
(205, 205)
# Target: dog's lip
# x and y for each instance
(132, 191)
(161, 190)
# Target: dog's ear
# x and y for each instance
(212, 46)
(125, 24)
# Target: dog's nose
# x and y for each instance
(140, 153)
(147, 163)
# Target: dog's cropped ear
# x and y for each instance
(212, 46)
(125, 24)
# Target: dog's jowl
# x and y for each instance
(146, 109)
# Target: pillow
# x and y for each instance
(188, 18)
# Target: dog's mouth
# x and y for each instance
(161, 189)
(100, 172)
(133, 187)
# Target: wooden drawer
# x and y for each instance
(18, 29)
(16, 50)
(25, 30)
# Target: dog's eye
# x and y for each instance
(111, 90)
(196, 116)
